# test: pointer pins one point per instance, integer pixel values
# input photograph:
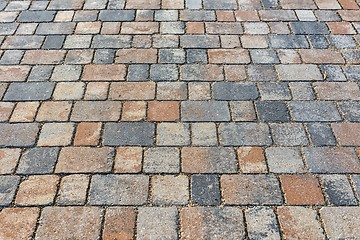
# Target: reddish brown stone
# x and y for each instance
(128, 159)
(208, 160)
(136, 56)
(9, 159)
(225, 16)
(5, 110)
(87, 134)
(43, 57)
(347, 134)
(70, 223)
(132, 91)
(234, 72)
(337, 90)
(163, 111)
(18, 223)
(348, 4)
(110, 28)
(299, 223)
(246, 15)
(212, 223)
(13, 73)
(24, 112)
(96, 111)
(54, 111)
(85, 159)
(104, 72)
(143, 4)
(37, 190)
(73, 190)
(349, 15)
(119, 223)
(251, 160)
(301, 189)
(230, 56)
(139, 28)
(56, 134)
(134, 111)
(96, 91)
(341, 28)
(88, 28)
(321, 56)
(195, 28)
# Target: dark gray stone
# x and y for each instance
(197, 56)
(288, 41)
(261, 73)
(205, 190)
(274, 91)
(264, 56)
(352, 73)
(351, 111)
(8, 186)
(272, 111)
(11, 57)
(116, 4)
(65, 5)
(333, 73)
(7, 28)
(302, 91)
(321, 134)
(338, 190)
(234, 91)
(117, 15)
(289, 134)
(55, 28)
(261, 222)
(314, 111)
(40, 73)
(54, 42)
(216, 4)
(332, 160)
(356, 180)
(29, 91)
(244, 134)
(199, 41)
(327, 15)
(352, 55)
(197, 15)
(36, 16)
(111, 41)
(104, 56)
(119, 190)
(162, 160)
(202, 111)
(18, 135)
(270, 4)
(342, 41)
(138, 72)
(172, 56)
(129, 134)
(164, 72)
(85, 16)
(318, 41)
(316, 28)
(38, 161)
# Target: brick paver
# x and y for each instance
(179, 119)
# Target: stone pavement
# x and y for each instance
(179, 119)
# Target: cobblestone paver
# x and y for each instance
(179, 119)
